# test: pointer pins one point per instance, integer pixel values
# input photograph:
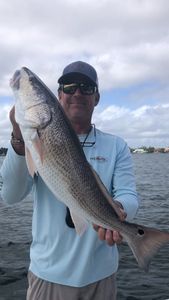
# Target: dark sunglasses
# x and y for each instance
(85, 88)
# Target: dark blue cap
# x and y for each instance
(81, 70)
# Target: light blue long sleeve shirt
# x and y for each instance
(57, 253)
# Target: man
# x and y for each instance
(63, 265)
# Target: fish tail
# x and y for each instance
(145, 244)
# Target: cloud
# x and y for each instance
(5, 126)
(127, 42)
(147, 125)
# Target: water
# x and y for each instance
(152, 178)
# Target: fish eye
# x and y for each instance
(140, 231)
(31, 78)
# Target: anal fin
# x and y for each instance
(80, 224)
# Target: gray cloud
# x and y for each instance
(127, 41)
(147, 125)
(5, 126)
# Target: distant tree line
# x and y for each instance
(3, 151)
(151, 149)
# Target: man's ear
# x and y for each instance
(59, 94)
(97, 98)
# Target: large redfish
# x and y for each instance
(53, 150)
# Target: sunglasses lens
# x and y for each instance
(85, 89)
(69, 88)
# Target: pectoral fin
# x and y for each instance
(37, 144)
(30, 163)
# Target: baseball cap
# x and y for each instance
(81, 70)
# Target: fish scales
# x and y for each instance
(53, 150)
(72, 164)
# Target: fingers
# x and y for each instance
(12, 115)
(16, 129)
(110, 236)
(123, 215)
(102, 233)
(117, 237)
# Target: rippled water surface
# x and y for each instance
(152, 178)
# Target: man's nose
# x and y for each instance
(78, 92)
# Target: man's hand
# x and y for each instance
(16, 130)
(111, 236)
(16, 134)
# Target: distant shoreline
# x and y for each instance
(139, 150)
(142, 150)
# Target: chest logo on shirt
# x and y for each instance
(99, 158)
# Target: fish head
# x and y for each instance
(31, 107)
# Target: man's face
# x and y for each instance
(77, 106)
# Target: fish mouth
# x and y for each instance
(15, 80)
(29, 72)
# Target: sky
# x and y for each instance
(127, 41)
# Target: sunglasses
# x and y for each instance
(85, 88)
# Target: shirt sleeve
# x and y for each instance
(17, 183)
(123, 183)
